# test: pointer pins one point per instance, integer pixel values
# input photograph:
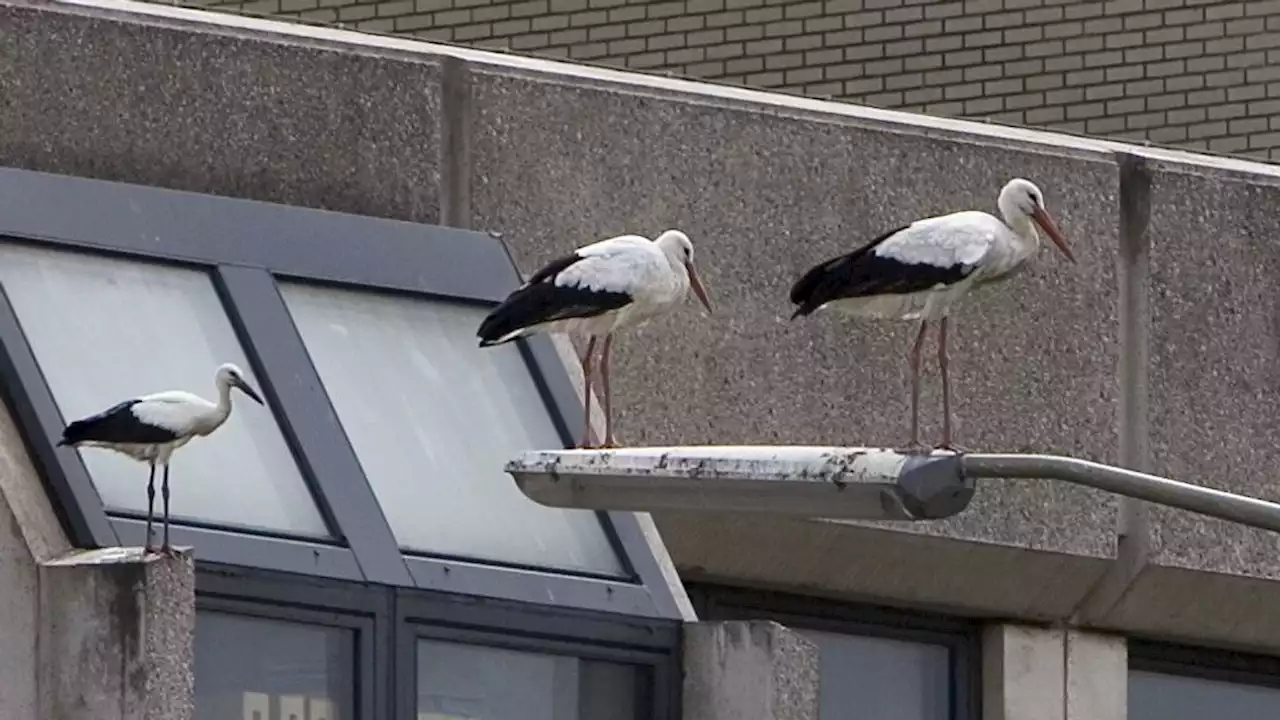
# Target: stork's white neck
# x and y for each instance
(221, 411)
(1018, 246)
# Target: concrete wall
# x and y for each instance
(1117, 359)
(1188, 72)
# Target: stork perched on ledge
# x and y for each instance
(594, 292)
(149, 428)
(920, 271)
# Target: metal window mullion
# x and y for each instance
(309, 422)
(39, 421)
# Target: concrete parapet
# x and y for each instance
(117, 636)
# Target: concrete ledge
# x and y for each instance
(1198, 607)
(898, 565)
(117, 636)
(754, 670)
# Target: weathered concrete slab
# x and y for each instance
(889, 565)
(142, 101)
(756, 670)
(1215, 361)
(116, 636)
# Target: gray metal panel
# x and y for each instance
(310, 423)
(251, 550)
(209, 230)
(540, 586)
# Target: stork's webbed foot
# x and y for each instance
(953, 447)
(915, 447)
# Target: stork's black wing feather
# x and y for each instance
(863, 273)
(116, 424)
(540, 300)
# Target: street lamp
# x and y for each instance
(834, 482)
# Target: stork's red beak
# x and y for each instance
(696, 283)
(1051, 229)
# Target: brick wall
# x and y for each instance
(1183, 72)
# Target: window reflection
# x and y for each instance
(433, 418)
(881, 677)
(255, 669)
(466, 682)
(147, 328)
(1159, 696)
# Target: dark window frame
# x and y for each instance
(1229, 666)
(360, 612)
(391, 621)
(962, 638)
(584, 634)
(247, 247)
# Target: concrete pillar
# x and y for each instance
(1097, 676)
(116, 636)
(1031, 673)
(752, 670)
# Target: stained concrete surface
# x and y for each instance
(842, 560)
(117, 636)
(753, 670)
(29, 533)
(1215, 361)
(217, 114)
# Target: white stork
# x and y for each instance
(149, 428)
(595, 291)
(920, 271)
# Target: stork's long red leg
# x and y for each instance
(914, 358)
(608, 400)
(947, 443)
(586, 394)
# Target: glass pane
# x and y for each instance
(433, 419)
(461, 682)
(104, 330)
(881, 678)
(255, 669)
(1157, 696)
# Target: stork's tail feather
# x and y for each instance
(807, 292)
(74, 433)
(498, 327)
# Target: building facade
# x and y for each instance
(1194, 74)
(335, 210)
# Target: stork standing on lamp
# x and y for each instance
(920, 271)
(149, 428)
(594, 292)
